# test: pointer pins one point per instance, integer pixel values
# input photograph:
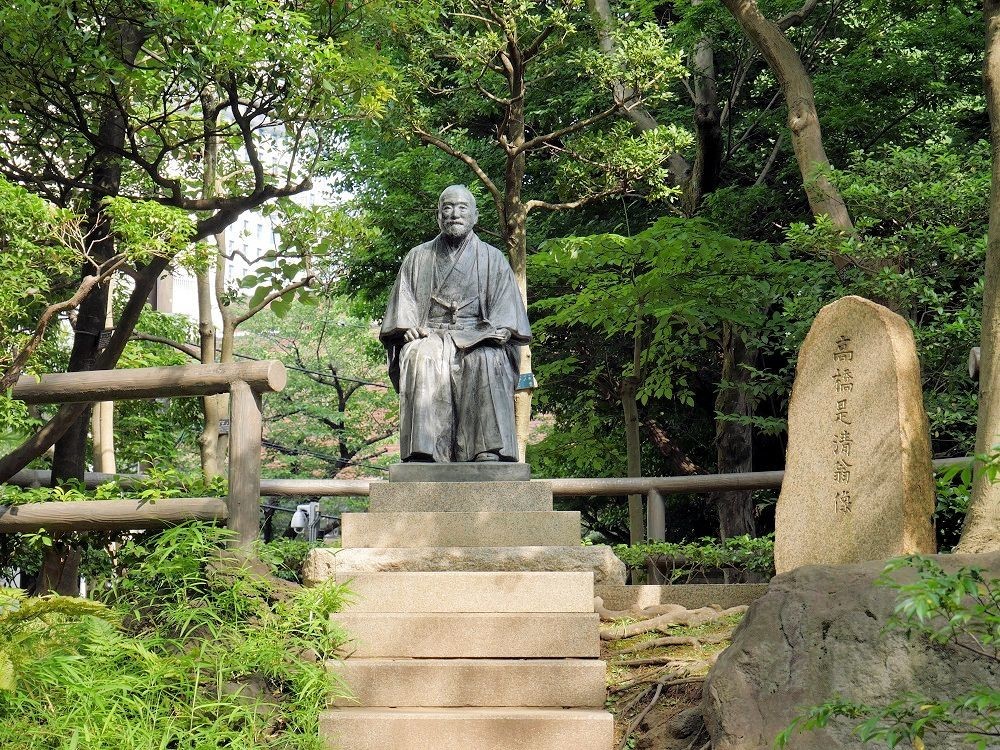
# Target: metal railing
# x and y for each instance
(654, 488)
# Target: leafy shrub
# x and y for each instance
(689, 560)
(23, 552)
(286, 556)
(156, 484)
(197, 647)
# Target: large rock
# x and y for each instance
(325, 562)
(858, 480)
(819, 632)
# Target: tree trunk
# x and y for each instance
(103, 424)
(60, 573)
(981, 532)
(226, 345)
(803, 120)
(682, 463)
(734, 441)
(707, 125)
(633, 445)
(208, 441)
(633, 448)
(514, 220)
(70, 452)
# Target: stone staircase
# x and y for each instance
(467, 659)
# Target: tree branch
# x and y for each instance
(536, 44)
(192, 351)
(271, 298)
(469, 161)
(489, 94)
(770, 160)
(229, 209)
(533, 204)
(796, 17)
(571, 128)
(89, 283)
(67, 414)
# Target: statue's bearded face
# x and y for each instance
(457, 214)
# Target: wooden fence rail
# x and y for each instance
(245, 382)
(91, 515)
(149, 382)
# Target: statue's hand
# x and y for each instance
(504, 334)
(413, 334)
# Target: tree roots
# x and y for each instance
(656, 618)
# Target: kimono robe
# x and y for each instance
(456, 385)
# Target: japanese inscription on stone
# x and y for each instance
(843, 384)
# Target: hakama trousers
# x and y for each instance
(455, 404)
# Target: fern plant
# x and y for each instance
(32, 627)
(194, 647)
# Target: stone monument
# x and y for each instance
(452, 329)
(474, 622)
(858, 478)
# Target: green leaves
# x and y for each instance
(687, 560)
(30, 627)
(671, 285)
(147, 229)
(39, 258)
(325, 420)
(199, 648)
(947, 607)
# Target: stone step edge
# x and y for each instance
(471, 591)
(402, 529)
(471, 682)
(494, 635)
(536, 659)
(541, 711)
(324, 563)
(467, 729)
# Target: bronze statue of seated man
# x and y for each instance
(452, 330)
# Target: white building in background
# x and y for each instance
(250, 241)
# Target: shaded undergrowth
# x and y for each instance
(192, 646)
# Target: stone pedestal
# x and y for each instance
(480, 471)
(608, 570)
(474, 623)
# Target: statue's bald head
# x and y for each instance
(457, 212)
(457, 191)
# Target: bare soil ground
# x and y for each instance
(655, 681)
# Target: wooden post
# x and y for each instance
(656, 516)
(244, 463)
